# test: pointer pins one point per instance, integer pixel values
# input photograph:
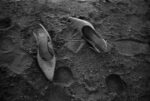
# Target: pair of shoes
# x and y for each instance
(45, 53)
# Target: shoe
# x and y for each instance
(45, 52)
(89, 33)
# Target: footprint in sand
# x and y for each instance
(145, 97)
(7, 45)
(15, 59)
(5, 23)
(57, 93)
(63, 76)
(115, 84)
(131, 47)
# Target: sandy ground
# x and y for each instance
(125, 24)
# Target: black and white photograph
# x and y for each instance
(74, 50)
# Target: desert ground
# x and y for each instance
(125, 24)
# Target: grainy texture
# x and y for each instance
(123, 23)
